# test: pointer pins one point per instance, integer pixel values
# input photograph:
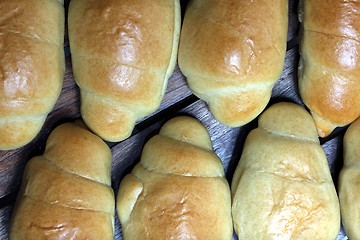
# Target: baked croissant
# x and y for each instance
(282, 187)
(349, 193)
(66, 192)
(32, 65)
(123, 53)
(178, 190)
(329, 67)
(232, 53)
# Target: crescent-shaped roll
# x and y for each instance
(123, 53)
(66, 193)
(32, 65)
(349, 179)
(232, 53)
(282, 187)
(329, 68)
(178, 190)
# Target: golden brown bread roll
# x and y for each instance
(282, 187)
(349, 192)
(329, 66)
(123, 52)
(66, 193)
(178, 190)
(32, 66)
(232, 53)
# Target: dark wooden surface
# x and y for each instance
(179, 100)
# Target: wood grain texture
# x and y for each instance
(5, 214)
(228, 142)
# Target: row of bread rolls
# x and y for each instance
(232, 53)
(124, 51)
(281, 189)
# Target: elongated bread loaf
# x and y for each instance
(329, 67)
(123, 52)
(66, 193)
(178, 190)
(32, 66)
(232, 53)
(282, 187)
(349, 192)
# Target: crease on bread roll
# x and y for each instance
(329, 63)
(349, 194)
(123, 53)
(66, 193)
(32, 66)
(232, 53)
(178, 190)
(282, 187)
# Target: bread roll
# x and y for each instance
(123, 52)
(329, 65)
(282, 187)
(178, 190)
(32, 66)
(232, 53)
(66, 193)
(349, 192)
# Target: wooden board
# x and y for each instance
(228, 142)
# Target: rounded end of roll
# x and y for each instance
(79, 151)
(110, 121)
(187, 129)
(239, 108)
(183, 147)
(289, 119)
(324, 128)
(16, 134)
(129, 191)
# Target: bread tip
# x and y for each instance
(324, 128)
(187, 129)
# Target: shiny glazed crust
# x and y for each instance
(282, 187)
(329, 67)
(32, 66)
(123, 52)
(66, 193)
(178, 190)
(232, 53)
(349, 178)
